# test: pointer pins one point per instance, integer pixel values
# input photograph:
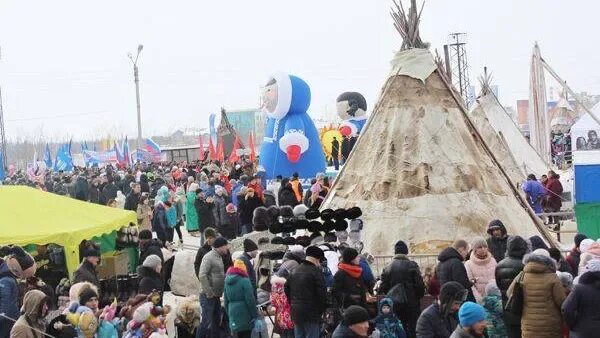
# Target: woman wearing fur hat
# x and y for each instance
(580, 309)
(31, 322)
(86, 272)
(480, 267)
(16, 264)
(543, 297)
(239, 300)
(150, 277)
(348, 287)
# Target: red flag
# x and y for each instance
(212, 154)
(251, 146)
(202, 151)
(220, 150)
(236, 145)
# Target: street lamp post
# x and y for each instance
(137, 97)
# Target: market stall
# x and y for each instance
(30, 216)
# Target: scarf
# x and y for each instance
(353, 270)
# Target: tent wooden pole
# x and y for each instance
(566, 86)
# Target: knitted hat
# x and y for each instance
(579, 238)
(585, 245)
(566, 279)
(492, 289)
(315, 252)
(145, 234)
(210, 233)
(400, 248)
(470, 313)
(541, 252)
(249, 245)
(86, 294)
(152, 262)
(219, 242)
(349, 254)
(355, 314)
(239, 264)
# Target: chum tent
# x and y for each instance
(31, 216)
(420, 171)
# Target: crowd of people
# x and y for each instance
(500, 286)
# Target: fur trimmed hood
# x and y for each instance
(539, 264)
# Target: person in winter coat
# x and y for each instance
(472, 322)
(580, 309)
(212, 281)
(283, 310)
(492, 303)
(451, 267)
(204, 208)
(589, 250)
(286, 194)
(31, 322)
(543, 296)
(250, 252)
(297, 187)
(554, 190)
(506, 271)
(133, 198)
(355, 323)
(239, 300)
(480, 267)
(247, 205)
(149, 246)
(209, 235)
(82, 189)
(144, 186)
(574, 255)
(16, 264)
(438, 320)
(150, 279)
(109, 192)
(191, 216)
(386, 322)
(144, 214)
(159, 221)
(232, 225)
(348, 288)
(86, 272)
(498, 239)
(219, 210)
(406, 272)
(306, 292)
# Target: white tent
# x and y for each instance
(523, 154)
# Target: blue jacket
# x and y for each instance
(250, 269)
(389, 325)
(9, 299)
(367, 274)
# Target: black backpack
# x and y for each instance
(398, 295)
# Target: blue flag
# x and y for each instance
(119, 153)
(213, 129)
(48, 157)
(63, 160)
(126, 155)
(2, 174)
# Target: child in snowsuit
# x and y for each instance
(386, 322)
(492, 302)
(283, 318)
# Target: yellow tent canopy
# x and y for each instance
(31, 216)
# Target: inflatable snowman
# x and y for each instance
(291, 143)
(352, 109)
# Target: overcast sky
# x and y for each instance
(64, 69)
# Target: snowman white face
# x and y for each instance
(269, 97)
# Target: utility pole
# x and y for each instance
(137, 97)
(2, 134)
(456, 63)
